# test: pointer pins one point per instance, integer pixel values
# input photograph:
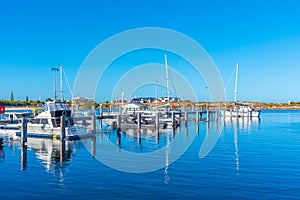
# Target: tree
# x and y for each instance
(12, 98)
(27, 99)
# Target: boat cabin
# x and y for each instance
(57, 109)
(132, 108)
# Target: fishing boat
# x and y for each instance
(240, 109)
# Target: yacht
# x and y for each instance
(47, 122)
(240, 109)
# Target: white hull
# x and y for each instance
(47, 130)
(235, 113)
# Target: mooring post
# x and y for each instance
(62, 127)
(93, 120)
(101, 115)
(101, 111)
(119, 121)
(173, 119)
(157, 122)
(186, 115)
(118, 136)
(24, 131)
(139, 120)
(197, 116)
(139, 136)
(207, 115)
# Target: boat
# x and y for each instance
(48, 122)
(240, 109)
(12, 119)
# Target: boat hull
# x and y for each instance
(236, 113)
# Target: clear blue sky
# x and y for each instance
(263, 36)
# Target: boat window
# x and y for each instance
(18, 115)
(65, 107)
(57, 106)
(44, 121)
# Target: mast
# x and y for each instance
(156, 94)
(55, 70)
(236, 82)
(167, 78)
(61, 83)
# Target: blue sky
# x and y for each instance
(263, 36)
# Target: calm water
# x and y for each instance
(251, 160)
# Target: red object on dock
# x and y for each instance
(2, 109)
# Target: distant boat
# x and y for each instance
(240, 109)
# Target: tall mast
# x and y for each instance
(236, 81)
(55, 70)
(156, 94)
(167, 78)
(61, 83)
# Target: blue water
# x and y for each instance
(253, 159)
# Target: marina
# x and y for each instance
(65, 165)
(149, 100)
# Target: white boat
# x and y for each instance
(240, 109)
(133, 108)
(12, 120)
(47, 123)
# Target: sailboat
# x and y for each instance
(240, 109)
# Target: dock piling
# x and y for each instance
(62, 127)
(119, 121)
(24, 131)
(157, 122)
(118, 136)
(197, 116)
(186, 115)
(139, 120)
(173, 119)
(93, 120)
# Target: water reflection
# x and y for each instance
(23, 157)
(2, 155)
(240, 125)
(166, 175)
(54, 154)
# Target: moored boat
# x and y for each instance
(48, 122)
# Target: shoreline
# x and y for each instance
(187, 107)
